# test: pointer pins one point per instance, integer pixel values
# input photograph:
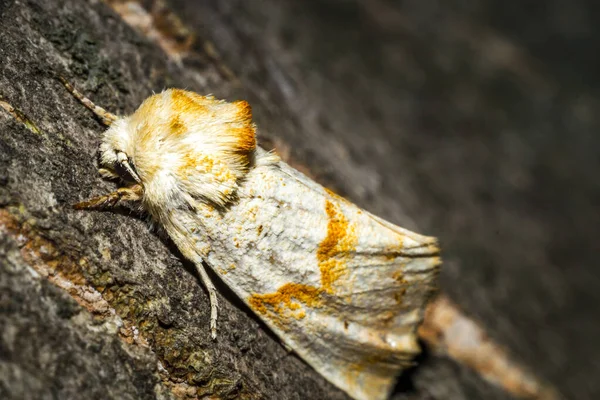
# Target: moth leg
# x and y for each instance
(212, 295)
(106, 173)
(132, 193)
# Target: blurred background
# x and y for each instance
(477, 122)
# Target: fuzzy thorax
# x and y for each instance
(184, 147)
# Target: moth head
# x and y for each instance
(115, 150)
(181, 145)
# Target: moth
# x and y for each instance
(344, 289)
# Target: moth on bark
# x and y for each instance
(343, 288)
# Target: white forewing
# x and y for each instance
(343, 288)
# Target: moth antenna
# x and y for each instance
(106, 117)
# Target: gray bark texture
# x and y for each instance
(476, 122)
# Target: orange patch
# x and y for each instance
(390, 256)
(336, 196)
(332, 255)
(244, 112)
(207, 164)
(246, 138)
(284, 301)
(201, 163)
(177, 126)
(399, 276)
(242, 128)
(335, 248)
(187, 102)
(399, 295)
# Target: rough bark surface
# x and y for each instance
(472, 120)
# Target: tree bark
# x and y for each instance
(451, 121)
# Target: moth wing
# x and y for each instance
(343, 288)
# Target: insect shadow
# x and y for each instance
(405, 383)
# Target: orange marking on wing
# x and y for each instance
(399, 295)
(332, 255)
(335, 249)
(284, 301)
(338, 197)
(399, 276)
